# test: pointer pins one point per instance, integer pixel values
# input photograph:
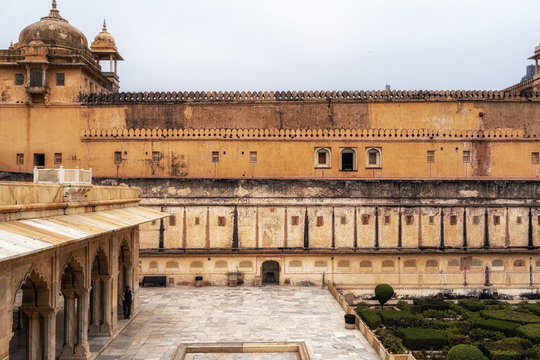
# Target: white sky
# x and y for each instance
(173, 45)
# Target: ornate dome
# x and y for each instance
(104, 38)
(53, 30)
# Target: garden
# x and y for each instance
(470, 328)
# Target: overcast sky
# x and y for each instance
(172, 45)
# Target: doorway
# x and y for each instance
(270, 272)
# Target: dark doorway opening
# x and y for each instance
(347, 161)
(39, 160)
(270, 272)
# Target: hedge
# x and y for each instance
(505, 355)
(472, 304)
(371, 318)
(531, 332)
(515, 316)
(508, 328)
(431, 304)
(464, 352)
(400, 318)
(509, 349)
(422, 339)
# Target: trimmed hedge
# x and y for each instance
(371, 318)
(432, 304)
(465, 352)
(509, 349)
(390, 341)
(400, 318)
(422, 339)
(531, 332)
(472, 304)
(514, 316)
(508, 328)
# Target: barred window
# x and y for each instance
(19, 79)
(466, 156)
(60, 79)
(431, 156)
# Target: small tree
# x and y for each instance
(383, 293)
(465, 352)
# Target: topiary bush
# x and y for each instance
(371, 318)
(531, 332)
(422, 339)
(472, 304)
(508, 328)
(465, 352)
(383, 293)
(515, 316)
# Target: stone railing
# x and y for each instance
(272, 96)
(366, 331)
(499, 134)
(524, 85)
(63, 176)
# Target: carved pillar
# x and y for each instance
(33, 347)
(106, 322)
(96, 306)
(69, 324)
(82, 349)
(128, 274)
(49, 333)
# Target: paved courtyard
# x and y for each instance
(171, 316)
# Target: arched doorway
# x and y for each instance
(100, 296)
(270, 272)
(125, 278)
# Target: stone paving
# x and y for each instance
(171, 316)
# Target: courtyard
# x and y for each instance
(169, 317)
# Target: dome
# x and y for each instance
(104, 38)
(53, 30)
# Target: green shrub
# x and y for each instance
(514, 316)
(510, 348)
(479, 334)
(431, 304)
(371, 318)
(458, 339)
(403, 305)
(508, 328)
(472, 304)
(400, 318)
(438, 314)
(361, 306)
(531, 332)
(533, 308)
(504, 355)
(464, 352)
(420, 338)
(390, 341)
(383, 293)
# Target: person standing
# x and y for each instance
(127, 299)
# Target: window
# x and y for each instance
(453, 263)
(519, 263)
(197, 221)
(153, 265)
(39, 160)
(320, 221)
(537, 264)
(57, 158)
(431, 156)
(222, 221)
(497, 264)
(295, 263)
(373, 157)
(245, 264)
(409, 263)
(221, 264)
(476, 220)
(215, 156)
(322, 158)
(253, 157)
(343, 220)
(519, 220)
(409, 219)
(466, 156)
(36, 77)
(365, 264)
(343, 264)
(172, 220)
(365, 219)
(60, 79)
(348, 159)
(432, 263)
(386, 219)
(294, 220)
(171, 265)
(476, 263)
(117, 157)
(431, 220)
(20, 159)
(496, 220)
(387, 264)
(534, 158)
(19, 79)
(320, 264)
(155, 157)
(453, 219)
(196, 264)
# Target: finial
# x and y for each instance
(104, 26)
(54, 4)
(11, 44)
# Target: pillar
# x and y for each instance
(111, 62)
(69, 324)
(128, 275)
(96, 306)
(33, 349)
(49, 336)
(106, 326)
(82, 348)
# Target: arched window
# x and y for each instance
(519, 263)
(537, 263)
(365, 264)
(343, 264)
(387, 264)
(196, 265)
(409, 263)
(321, 264)
(497, 264)
(245, 264)
(323, 158)
(153, 264)
(221, 264)
(476, 263)
(453, 263)
(373, 157)
(347, 159)
(171, 265)
(295, 263)
(432, 263)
